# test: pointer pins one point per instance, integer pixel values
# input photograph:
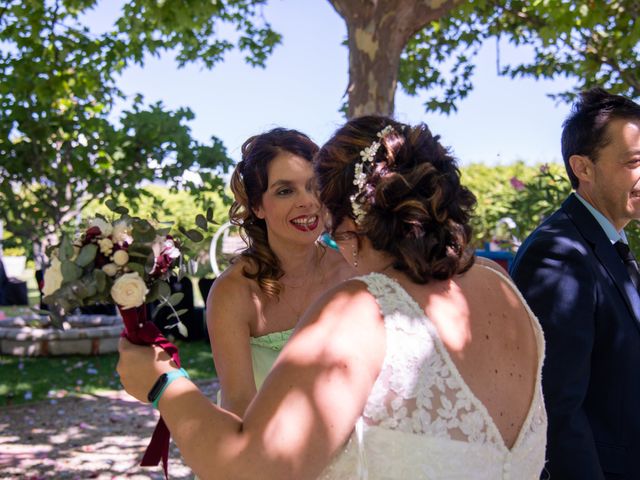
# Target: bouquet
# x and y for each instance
(127, 262)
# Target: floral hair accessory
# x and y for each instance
(368, 154)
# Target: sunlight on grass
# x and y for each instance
(30, 379)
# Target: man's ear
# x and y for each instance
(582, 167)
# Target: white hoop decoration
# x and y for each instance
(213, 256)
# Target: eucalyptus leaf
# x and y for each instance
(111, 204)
(87, 254)
(164, 290)
(177, 313)
(176, 298)
(194, 235)
(70, 271)
(201, 221)
(121, 210)
(65, 251)
(149, 264)
(101, 279)
(136, 267)
(210, 215)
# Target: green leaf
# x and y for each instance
(87, 255)
(177, 313)
(194, 235)
(66, 248)
(136, 267)
(70, 271)
(201, 221)
(101, 279)
(111, 204)
(176, 298)
(210, 215)
(164, 290)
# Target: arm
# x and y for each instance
(305, 410)
(230, 311)
(556, 279)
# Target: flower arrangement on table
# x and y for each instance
(126, 262)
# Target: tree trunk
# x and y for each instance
(378, 31)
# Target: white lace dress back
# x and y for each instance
(421, 420)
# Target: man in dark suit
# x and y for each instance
(579, 278)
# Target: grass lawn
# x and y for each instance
(32, 379)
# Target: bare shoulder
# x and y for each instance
(488, 263)
(232, 292)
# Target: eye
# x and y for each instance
(281, 192)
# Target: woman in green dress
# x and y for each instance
(254, 305)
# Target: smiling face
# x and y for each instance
(289, 206)
(612, 182)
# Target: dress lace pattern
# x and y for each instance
(430, 425)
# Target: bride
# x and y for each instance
(424, 367)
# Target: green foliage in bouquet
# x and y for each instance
(126, 261)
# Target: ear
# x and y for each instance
(259, 212)
(582, 167)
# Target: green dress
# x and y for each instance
(264, 351)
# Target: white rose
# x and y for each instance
(110, 269)
(104, 226)
(106, 246)
(52, 277)
(122, 233)
(129, 290)
(120, 258)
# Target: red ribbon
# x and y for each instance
(139, 330)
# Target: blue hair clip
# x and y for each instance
(328, 241)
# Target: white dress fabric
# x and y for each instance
(421, 420)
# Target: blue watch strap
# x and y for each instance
(171, 376)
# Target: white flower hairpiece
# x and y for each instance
(368, 154)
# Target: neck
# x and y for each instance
(297, 262)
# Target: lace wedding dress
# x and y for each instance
(421, 420)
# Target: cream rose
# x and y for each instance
(110, 269)
(105, 227)
(52, 277)
(120, 258)
(129, 290)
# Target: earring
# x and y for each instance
(354, 252)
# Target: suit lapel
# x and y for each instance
(605, 252)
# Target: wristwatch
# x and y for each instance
(162, 383)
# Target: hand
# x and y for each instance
(140, 366)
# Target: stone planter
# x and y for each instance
(31, 335)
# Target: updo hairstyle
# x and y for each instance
(248, 183)
(415, 206)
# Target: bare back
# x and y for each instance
(487, 331)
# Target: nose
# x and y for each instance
(307, 198)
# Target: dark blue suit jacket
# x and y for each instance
(577, 285)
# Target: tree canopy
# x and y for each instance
(60, 146)
(594, 42)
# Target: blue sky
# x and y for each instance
(501, 121)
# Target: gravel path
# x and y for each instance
(90, 436)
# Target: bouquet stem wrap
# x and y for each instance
(139, 330)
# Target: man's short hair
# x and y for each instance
(584, 132)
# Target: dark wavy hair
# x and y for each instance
(248, 183)
(584, 132)
(416, 208)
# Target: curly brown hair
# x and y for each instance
(415, 207)
(248, 183)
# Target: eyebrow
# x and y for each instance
(277, 183)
